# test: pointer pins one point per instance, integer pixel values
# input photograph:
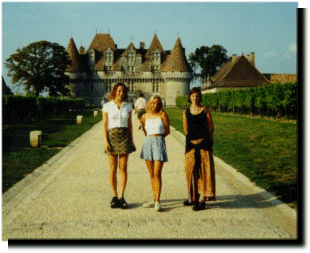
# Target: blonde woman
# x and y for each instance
(156, 126)
(117, 132)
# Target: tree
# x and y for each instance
(207, 60)
(39, 67)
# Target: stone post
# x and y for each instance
(35, 138)
(79, 119)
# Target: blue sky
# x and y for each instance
(266, 28)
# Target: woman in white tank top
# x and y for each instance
(156, 126)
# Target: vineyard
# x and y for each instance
(276, 100)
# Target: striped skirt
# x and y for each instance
(200, 180)
(119, 139)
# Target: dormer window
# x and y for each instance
(92, 58)
(108, 57)
(131, 56)
(155, 56)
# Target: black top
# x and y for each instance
(198, 128)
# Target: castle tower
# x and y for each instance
(74, 69)
(177, 74)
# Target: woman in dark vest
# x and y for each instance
(199, 163)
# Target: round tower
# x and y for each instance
(177, 74)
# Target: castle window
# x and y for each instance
(131, 56)
(108, 57)
(155, 56)
(130, 68)
(155, 86)
(109, 87)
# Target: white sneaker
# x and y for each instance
(149, 204)
(157, 206)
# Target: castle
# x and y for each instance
(94, 71)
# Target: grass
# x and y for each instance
(265, 151)
(19, 159)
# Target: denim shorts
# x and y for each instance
(154, 148)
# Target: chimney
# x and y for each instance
(252, 58)
(233, 58)
(142, 45)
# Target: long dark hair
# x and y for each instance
(114, 89)
(195, 90)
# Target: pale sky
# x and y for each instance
(266, 28)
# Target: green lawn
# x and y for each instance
(19, 159)
(263, 150)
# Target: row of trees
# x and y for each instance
(276, 100)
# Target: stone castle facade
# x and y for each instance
(94, 71)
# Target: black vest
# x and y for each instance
(198, 128)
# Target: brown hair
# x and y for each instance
(195, 90)
(114, 89)
(148, 105)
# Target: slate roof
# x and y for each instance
(146, 66)
(155, 44)
(176, 61)
(101, 42)
(131, 45)
(74, 56)
(5, 89)
(240, 73)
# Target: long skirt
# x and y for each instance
(119, 139)
(200, 180)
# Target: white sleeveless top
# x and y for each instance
(154, 126)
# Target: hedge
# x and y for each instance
(277, 100)
(16, 108)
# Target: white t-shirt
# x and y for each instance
(140, 103)
(117, 117)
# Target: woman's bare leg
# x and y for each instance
(150, 167)
(123, 159)
(113, 160)
(158, 166)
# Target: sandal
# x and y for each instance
(114, 202)
(199, 206)
(187, 203)
(210, 199)
(122, 203)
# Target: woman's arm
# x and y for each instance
(105, 130)
(143, 124)
(130, 127)
(185, 126)
(166, 121)
(210, 122)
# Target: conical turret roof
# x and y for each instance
(155, 44)
(176, 61)
(74, 56)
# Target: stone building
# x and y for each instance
(240, 72)
(94, 71)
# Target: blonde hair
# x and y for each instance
(148, 105)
